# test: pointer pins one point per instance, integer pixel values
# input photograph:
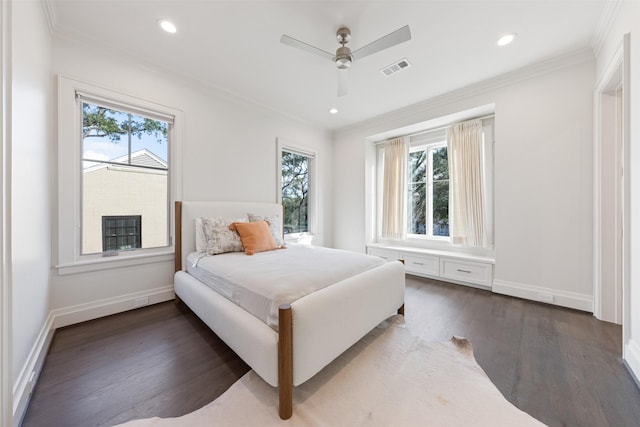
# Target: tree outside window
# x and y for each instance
(295, 192)
(428, 188)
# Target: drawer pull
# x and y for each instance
(417, 263)
(464, 271)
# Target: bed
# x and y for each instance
(311, 331)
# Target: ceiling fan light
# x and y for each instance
(333, 110)
(343, 58)
(343, 63)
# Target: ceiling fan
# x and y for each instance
(344, 57)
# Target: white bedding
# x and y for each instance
(262, 282)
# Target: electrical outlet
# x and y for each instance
(545, 298)
(140, 302)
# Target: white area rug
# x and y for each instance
(389, 378)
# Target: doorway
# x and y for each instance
(611, 204)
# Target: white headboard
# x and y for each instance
(187, 212)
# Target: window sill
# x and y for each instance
(120, 261)
(299, 238)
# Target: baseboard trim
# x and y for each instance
(632, 360)
(67, 316)
(31, 371)
(106, 307)
(568, 299)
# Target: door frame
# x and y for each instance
(611, 131)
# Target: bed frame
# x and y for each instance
(315, 329)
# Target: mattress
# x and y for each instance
(262, 282)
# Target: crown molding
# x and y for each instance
(49, 8)
(608, 17)
(537, 69)
(73, 37)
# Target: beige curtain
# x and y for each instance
(394, 189)
(466, 188)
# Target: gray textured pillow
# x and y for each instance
(219, 238)
(275, 226)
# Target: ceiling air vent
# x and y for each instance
(395, 67)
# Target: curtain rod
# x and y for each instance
(438, 128)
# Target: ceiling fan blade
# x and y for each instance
(398, 36)
(342, 82)
(290, 41)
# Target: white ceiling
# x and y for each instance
(235, 45)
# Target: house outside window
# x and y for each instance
(124, 174)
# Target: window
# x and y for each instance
(118, 156)
(295, 192)
(428, 206)
(124, 176)
(121, 233)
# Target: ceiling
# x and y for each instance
(235, 45)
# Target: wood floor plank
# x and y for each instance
(562, 366)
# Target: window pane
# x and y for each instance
(417, 192)
(418, 208)
(440, 164)
(417, 166)
(441, 208)
(129, 195)
(109, 135)
(295, 192)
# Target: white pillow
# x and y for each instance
(275, 226)
(219, 238)
(201, 239)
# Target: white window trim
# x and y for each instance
(429, 182)
(69, 259)
(285, 145)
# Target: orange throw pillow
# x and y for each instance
(255, 236)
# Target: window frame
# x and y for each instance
(429, 148)
(287, 146)
(69, 172)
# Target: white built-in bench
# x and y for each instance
(455, 267)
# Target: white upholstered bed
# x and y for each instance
(312, 331)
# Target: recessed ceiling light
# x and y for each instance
(333, 110)
(506, 39)
(168, 26)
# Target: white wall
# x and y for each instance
(628, 21)
(543, 175)
(31, 101)
(228, 153)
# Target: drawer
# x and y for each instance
(387, 254)
(422, 264)
(478, 273)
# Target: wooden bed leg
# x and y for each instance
(285, 361)
(401, 310)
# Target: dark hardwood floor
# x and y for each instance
(562, 366)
